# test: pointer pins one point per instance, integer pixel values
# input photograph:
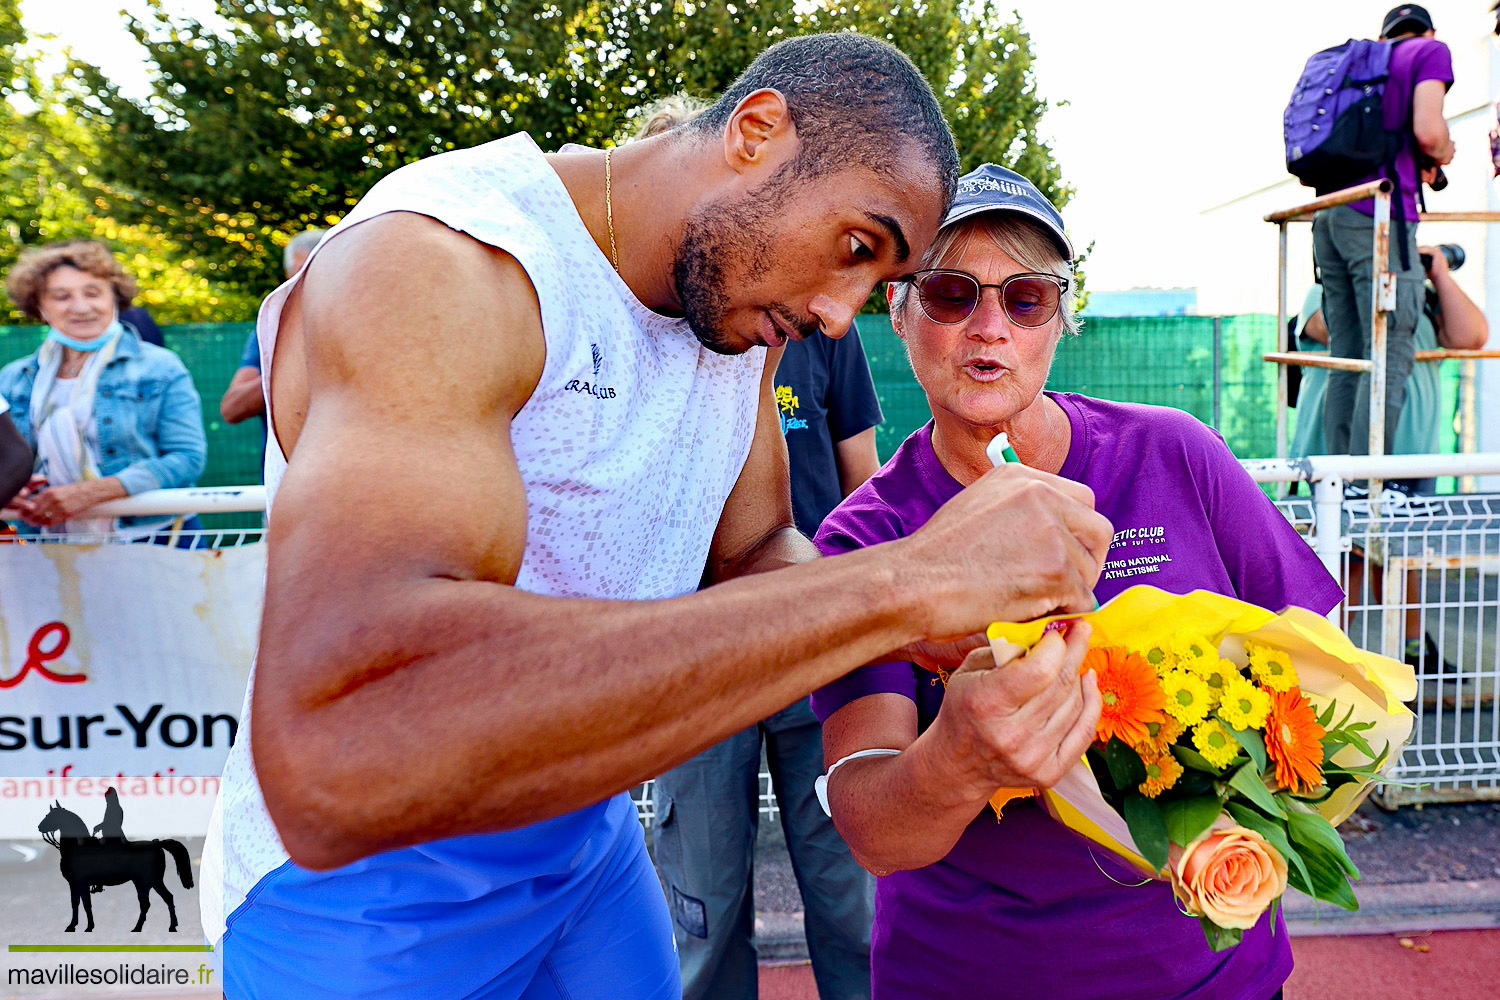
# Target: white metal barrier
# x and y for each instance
(1432, 571)
(1426, 572)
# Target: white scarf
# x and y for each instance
(64, 453)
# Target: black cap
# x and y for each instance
(992, 188)
(1415, 13)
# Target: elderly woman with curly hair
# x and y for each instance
(106, 414)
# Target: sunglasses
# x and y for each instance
(1030, 299)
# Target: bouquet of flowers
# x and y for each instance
(1232, 741)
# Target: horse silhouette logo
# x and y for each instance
(95, 862)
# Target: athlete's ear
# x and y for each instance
(759, 132)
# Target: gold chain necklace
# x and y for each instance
(609, 214)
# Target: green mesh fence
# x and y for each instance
(1209, 366)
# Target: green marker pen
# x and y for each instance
(1000, 451)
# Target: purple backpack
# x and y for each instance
(1334, 124)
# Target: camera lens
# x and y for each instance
(1454, 253)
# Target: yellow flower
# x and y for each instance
(1272, 667)
(1215, 742)
(1159, 656)
(1162, 772)
(1163, 734)
(1194, 652)
(1217, 675)
(1189, 698)
(1243, 705)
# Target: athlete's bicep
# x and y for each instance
(418, 346)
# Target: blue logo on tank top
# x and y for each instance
(592, 388)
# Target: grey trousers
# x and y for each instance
(1343, 248)
(707, 810)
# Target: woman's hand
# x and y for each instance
(56, 504)
(1019, 724)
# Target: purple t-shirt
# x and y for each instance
(1024, 907)
(1412, 61)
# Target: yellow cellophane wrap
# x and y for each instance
(1329, 666)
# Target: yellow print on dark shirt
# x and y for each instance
(788, 401)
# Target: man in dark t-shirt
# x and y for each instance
(1421, 70)
(707, 808)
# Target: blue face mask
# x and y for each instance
(53, 333)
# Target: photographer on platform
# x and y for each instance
(1421, 70)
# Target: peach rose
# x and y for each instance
(1230, 874)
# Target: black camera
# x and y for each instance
(1452, 251)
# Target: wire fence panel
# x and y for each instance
(1424, 585)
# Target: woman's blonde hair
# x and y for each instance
(28, 278)
(1022, 240)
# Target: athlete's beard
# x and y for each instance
(721, 239)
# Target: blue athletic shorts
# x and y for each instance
(566, 909)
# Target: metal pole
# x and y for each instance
(1218, 368)
(1328, 542)
(1383, 303)
(1281, 370)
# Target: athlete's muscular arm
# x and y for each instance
(407, 691)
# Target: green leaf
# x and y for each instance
(1310, 829)
(1188, 818)
(1327, 714)
(1248, 782)
(1220, 938)
(1254, 744)
(1148, 828)
(1195, 783)
(1329, 881)
(1355, 739)
(1125, 765)
(1275, 834)
(1189, 757)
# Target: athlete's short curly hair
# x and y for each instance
(28, 278)
(855, 100)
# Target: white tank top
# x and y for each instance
(629, 446)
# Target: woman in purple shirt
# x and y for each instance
(968, 906)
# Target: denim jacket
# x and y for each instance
(147, 413)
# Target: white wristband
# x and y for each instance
(821, 785)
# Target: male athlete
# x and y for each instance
(518, 402)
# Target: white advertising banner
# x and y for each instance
(122, 666)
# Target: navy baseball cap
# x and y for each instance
(991, 188)
(1407, 12)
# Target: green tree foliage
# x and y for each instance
(283, 116)
(48, 192)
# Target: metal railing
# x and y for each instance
(1426, 573)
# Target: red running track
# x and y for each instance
(1437, 965)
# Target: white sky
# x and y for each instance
(1173, 107)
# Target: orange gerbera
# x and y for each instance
(1295, 740)
(1133, 695)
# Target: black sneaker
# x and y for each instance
(1430, 663)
